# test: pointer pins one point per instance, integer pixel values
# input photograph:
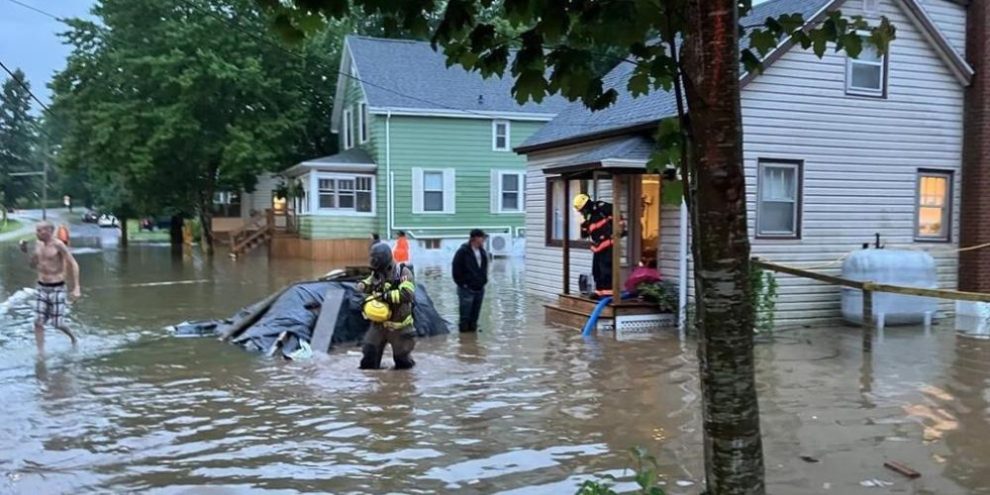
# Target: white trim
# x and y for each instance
(497, 196)
(508, 135)
(623, 163)
(878, 64)
(364, 132)
(763, 165)
(347, 140)
(419, 190)
(462, 114)
(946, 207)
(389, 178)
(347, 62)
(344, 212)
(307, 167)
(957, 63)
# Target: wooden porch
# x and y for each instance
(262, 230)
(632, 315)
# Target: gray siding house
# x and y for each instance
(836, 150)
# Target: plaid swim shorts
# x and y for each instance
(50, 304)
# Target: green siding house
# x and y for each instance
(425, 149)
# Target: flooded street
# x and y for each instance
(518, 409)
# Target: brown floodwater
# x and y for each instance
(521, 408)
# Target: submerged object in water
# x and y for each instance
(285, 321)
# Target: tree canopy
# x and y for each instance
(18, 141)
(166, 103)
(689, 47)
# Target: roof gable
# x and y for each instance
(628, 114)
(409, 76)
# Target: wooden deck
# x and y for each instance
(572, 311)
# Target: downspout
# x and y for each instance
(389, 208)
(682, 269)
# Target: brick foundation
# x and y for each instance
(974, 266)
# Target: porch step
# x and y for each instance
(568, 318)
(582, 305)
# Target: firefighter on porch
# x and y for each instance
(597, 228)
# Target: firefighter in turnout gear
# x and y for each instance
(597, 228)
(389, 307)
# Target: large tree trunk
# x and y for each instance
(124, 238)
(725, 317)
(206, 208)
(175, 231)
(206, 225)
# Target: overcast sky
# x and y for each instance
(29, 40)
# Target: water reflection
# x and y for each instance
(519, 408)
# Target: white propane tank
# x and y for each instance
(894, 267)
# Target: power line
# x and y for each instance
(31, 7)
(25, 86)
(233, 24)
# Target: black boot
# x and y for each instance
(372, 359)
(404, 362)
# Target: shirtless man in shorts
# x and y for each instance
(50, 258)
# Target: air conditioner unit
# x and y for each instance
(500, 244)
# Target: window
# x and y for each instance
(559, 205)
(347, 193)
(348, 129)
(508, 191)
(227, 204)
(500, 135)
(431, 244)
(867, 75)
(433, 190)
(363, 121)
(279, 205)
(934, 198)
(778, 206)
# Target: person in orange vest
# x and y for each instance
(63, 234)
(401, 251)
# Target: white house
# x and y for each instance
(836, 150)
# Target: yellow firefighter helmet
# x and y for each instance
(376, 311)
(580, 200)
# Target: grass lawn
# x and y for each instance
(10, 226)
(135, 234)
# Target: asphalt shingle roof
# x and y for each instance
(409, 74)
(634, 148)
(351, 156)
(576, 120)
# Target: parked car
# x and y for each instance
(107, 221)
(90, 217)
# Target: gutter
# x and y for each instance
(389, 208)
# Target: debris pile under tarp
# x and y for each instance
(285, 321)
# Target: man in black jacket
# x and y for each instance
(470, 269)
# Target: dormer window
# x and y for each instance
(867, 74)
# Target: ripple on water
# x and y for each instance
(517, 409)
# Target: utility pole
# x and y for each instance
(44, 186)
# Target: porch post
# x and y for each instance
(682, 272)
(566, 238)
(616, 238)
